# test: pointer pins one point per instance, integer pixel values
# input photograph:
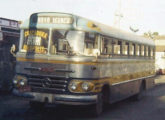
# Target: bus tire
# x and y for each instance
(97, 108)
(141, 93)
(36, 105)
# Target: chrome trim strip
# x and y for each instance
(132, 80)
(70, 71)
(33, 94)
(36, 75)
(80, 58)
(92, 97)
(40, 69)
(54, 89)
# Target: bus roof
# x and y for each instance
(80, 23)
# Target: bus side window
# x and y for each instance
(154, 52)
(137, 47)
(132, 49)
(146, 51)
(125, 48)
(109, 46)
(149, 51)
(142, 50)
(104, 46)
(90, 43)
(117, 47)
(89, 40)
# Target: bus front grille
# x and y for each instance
(47, 84)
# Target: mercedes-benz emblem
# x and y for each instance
(46, 83)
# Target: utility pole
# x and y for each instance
(118, 15)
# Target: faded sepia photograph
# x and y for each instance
(82, 60)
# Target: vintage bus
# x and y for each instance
(67, 59)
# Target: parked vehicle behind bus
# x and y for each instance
(67, 59)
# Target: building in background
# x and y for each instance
(160, 54)
(9, 38)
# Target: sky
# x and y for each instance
(145, 15)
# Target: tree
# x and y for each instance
(151, 35)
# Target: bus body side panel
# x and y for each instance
(125, 77)
(124, 90)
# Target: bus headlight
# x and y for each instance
(87, 86)
(22, 83)
(15, 82)
(73, 86)
(79, 86)
(19, 80)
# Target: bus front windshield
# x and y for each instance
(64, 41)
(69, 42)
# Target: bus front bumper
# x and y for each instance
(57, 98)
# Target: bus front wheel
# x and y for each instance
(141, 93)
(98, 107)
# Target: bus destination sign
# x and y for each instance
(54, 20)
